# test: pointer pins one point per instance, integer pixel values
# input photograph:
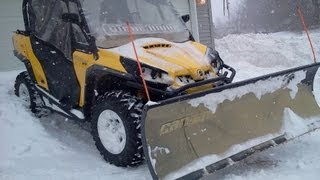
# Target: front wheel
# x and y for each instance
(116, 119)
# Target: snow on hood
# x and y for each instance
(175, 57)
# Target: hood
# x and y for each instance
(178, 59)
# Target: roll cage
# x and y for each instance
(82, 23)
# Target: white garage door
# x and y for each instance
(10, 20)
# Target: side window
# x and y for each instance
(47, 24)
(78, 34)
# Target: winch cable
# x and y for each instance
(302, 19)
(138, 61)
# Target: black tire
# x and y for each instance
(129, 109)
(36, 104)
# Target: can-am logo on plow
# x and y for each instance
(185, 122)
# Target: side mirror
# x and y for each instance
(71, 18)
(185, 18)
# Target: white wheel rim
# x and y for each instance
(24, 95)
(111, 131)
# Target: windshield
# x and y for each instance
(148, 18)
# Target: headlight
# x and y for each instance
(156, 75)
(214, 59)
(150, 73)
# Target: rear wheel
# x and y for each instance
(25, 89)
(116, 119)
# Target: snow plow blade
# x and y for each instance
(194, 135)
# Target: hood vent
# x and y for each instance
(157, 46)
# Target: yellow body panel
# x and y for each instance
(183, 62)
(189, 65)
(22, 45)
(177, 59)
(200, 47)
(110, 60)
(176, 62)
(83, 61)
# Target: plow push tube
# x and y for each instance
(194, 135)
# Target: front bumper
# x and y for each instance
(225, 78)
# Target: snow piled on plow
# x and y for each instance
(211, 101)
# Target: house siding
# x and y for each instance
(205, 24)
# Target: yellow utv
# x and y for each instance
(81, 63)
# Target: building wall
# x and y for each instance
(264, 16)
(10, 20)
(205, 24)
(201, 23)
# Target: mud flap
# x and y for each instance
(194, 135)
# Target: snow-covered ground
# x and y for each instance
(56, 148)
(258, 54)
(48, 148)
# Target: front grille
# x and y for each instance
(187, 79)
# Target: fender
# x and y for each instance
(99, 79)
